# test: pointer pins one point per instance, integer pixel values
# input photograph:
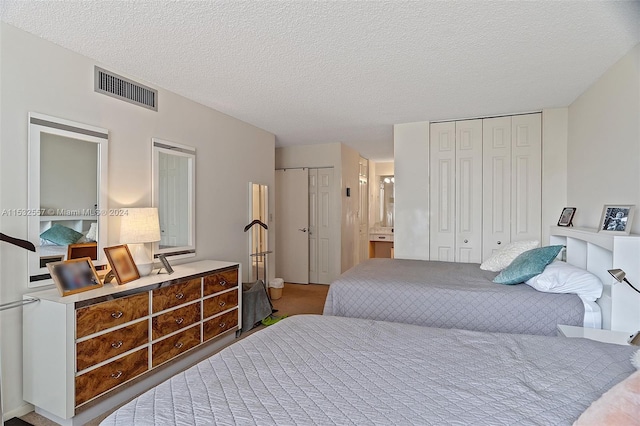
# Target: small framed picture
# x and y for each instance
(122, 264)
(616, 218)
(566, 217)
(74, 276)
(165, 264)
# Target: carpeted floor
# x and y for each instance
(296, 299)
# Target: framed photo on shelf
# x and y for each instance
(121, 263)
(616, 218)
(74, 276)
(566, 217)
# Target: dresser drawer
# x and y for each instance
(176, 294)
(102, 316)
(222, 302)
(102, 379)
(175, 345)
(220, 324)
(174, 320)
(221, 281)
(108, 345)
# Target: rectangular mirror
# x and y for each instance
(387, 197)
(67, 193)
(174, 175)
(258, 242)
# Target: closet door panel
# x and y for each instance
(468, 236)
(526, 177)
(496, 199)
(442, 191)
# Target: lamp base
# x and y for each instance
(141, 258)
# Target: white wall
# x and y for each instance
(350, 228)
(411, 151)
(554, 167)
(604, 143)
(42, 77)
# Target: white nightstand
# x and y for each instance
(606, 336)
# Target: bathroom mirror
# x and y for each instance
(258, 236)
(174, 175)
(67, 197)
(387, 196)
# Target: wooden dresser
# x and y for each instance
(79, 350)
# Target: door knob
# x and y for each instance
(466, 241)
(499, 242)
(302, 229)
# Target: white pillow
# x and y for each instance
(560, 277)
(503, 257)
(92, 235)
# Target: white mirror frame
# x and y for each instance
(39, 124)
(172, 148)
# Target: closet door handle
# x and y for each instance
(466, 241)
(499, 242)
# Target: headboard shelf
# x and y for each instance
(598, 252)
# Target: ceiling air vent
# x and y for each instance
(122, 88)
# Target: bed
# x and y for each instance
(452, 295)
(333, 370)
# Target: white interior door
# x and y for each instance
(496, 170)
(469, 191)
(363, 216)
(526, 177)
(442, 190)
(292, 223)
(321, 210)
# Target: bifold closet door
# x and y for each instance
(496, 179)
(442, 188)
(468, 191)
(320, 224)
(512, 179)
(526, 177)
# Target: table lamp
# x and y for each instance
(138, 227)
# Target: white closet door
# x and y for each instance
(313, 225)
(496, 172)
(324, 232)
(442, 191)
(468, 191)
(526, 177)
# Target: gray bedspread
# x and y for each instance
(448, 295)
(318, 370)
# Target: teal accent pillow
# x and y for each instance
(61, 235)
(528, 265)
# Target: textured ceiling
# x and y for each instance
(317, 72)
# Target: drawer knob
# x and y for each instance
(222, 324)
(180, 320)
(223, 283)
(222, 303)
(117, 374)
(179, 345)
(117, 344)
(180, 296)
(117, 315)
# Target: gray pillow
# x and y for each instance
(61, 235)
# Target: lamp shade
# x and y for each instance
(618, 274)
(140, 225)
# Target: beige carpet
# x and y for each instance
(296, 299)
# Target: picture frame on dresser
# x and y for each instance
(566, 217)
(122, 264)
(74, 276)
(616, 219)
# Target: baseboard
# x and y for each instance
(18, 412)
